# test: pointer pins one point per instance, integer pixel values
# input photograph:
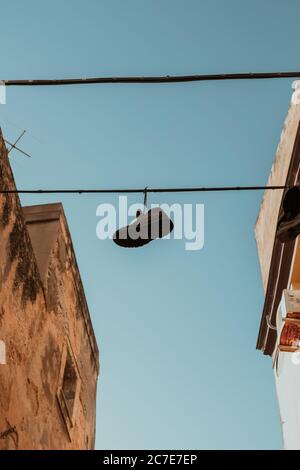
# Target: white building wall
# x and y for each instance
(287, 378)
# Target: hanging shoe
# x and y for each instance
(147, 227)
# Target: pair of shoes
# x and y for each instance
(147, 227)
(288, 227)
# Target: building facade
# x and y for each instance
(49, 360)
(279, 331)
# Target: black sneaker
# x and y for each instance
(147, 227)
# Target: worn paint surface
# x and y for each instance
(267, 219)
(42, 307)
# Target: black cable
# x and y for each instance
(141, 190)
(153, 79)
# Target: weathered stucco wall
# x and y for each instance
(41, 316)
(267, 219)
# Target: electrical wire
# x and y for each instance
(147, 79)
(152, 79)
(142, 190)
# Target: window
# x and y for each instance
(68, 389)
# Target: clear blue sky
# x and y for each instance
(177, 330)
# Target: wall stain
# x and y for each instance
(26, 271)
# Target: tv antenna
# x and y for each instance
(14, 146)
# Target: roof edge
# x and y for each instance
(279, 266)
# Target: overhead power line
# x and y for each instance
(153, 79)
(141, 190)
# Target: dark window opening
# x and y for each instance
(69, 384)
(68, 388)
